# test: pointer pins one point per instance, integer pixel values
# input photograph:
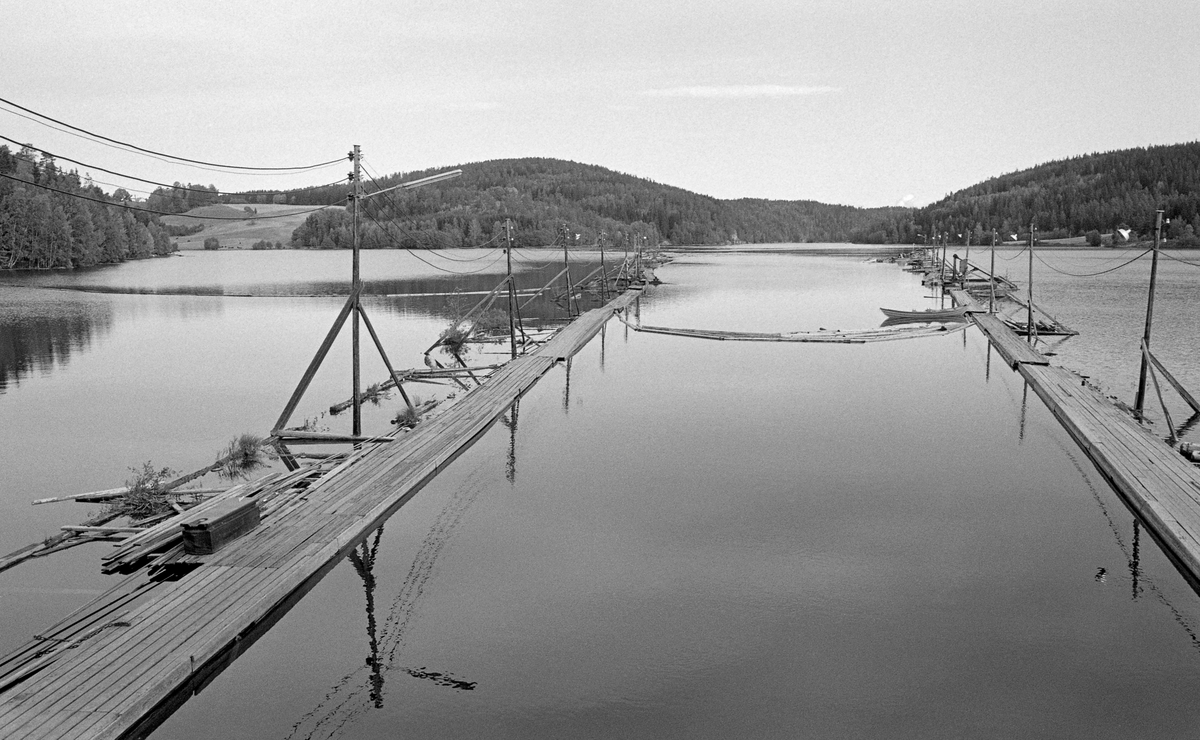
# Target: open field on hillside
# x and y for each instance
(273, 222)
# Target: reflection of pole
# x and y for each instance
(987, 370)
(567, 389)
(603, 337)
(364, 565)
(354, 289)
(1024, 407)
(1135, 568)
(510, 467)
(1141, 389)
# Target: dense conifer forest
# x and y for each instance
(51, 218)
(545, 197)
(1085, 195)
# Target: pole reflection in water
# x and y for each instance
(362, 689)
(510, 421)
(567, 389)
(1188, 425)
(603, 339)
(1135, 558)
(987, 368)
(1140, 582)
(1024, 407)
(364, 565)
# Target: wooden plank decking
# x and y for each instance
(112, 668)
(1150, 475)
(1013, 349)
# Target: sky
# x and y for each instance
(857, 102)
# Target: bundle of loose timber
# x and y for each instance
(165, 538)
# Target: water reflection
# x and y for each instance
(510, 421)
(362, 689)
(1135, 558)
(363, 559)
(1024, 410)
(1138, 580)
(566, 400)
(1188, 425)
(39, 331)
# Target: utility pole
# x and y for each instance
(512, 295)
(992, 276)
(562, 231)
(942, 270)
(1029, 335)
(603, 271)
(353, 306)
(638, 272)
(967, 261)
(355, 288)
(1139, 403)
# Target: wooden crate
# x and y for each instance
(222, 524)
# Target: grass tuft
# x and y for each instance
(409, 417)
(145, 495)
(242, 457)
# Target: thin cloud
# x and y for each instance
(740, 91)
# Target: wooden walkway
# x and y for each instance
(1150, 475)
(117, 666)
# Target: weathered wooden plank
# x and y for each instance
(1012, 348)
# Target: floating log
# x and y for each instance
(296, 435)
(112, 493)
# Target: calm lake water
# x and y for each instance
(669, 538)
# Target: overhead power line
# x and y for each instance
(1164, 253)
(163, 154)
(1092, 274)
(156, 213)
(388, 197)
(396, 241)
(142, 179)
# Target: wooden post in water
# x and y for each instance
(967, 261)
(1029, 336)
(603, 270)
(512, 295)
(1139, 403)
(992, 276)
(354, 292)
(942, 269)
(566, 268)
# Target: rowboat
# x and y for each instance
(929, 314)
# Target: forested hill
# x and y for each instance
(1094, 193)
(50, 218)
(542, 196)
